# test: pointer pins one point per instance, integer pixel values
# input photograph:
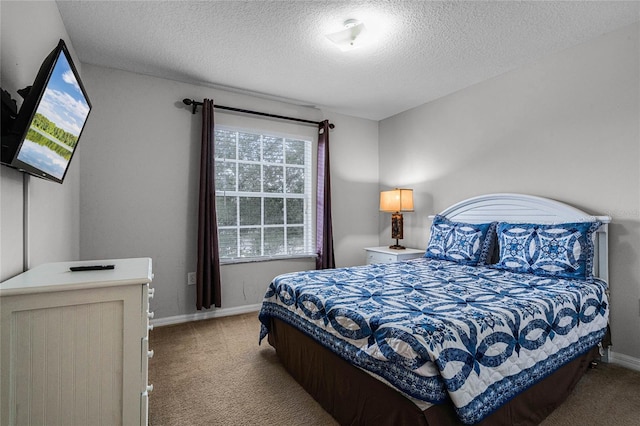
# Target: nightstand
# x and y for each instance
(386, 255)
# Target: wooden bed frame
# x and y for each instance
(353, 396)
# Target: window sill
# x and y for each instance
(265, 259)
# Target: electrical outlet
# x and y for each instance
(191, 278)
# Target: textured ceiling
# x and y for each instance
(422, 49)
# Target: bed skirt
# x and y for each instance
(354, 397)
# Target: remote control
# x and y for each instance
(91, 268)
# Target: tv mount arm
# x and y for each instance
(8, 117)
(10, 108)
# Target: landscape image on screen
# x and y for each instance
(54, 130)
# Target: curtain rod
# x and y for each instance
(194, 107)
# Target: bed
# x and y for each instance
(495, 325)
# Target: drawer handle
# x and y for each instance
(150, 354)
(149, 388)
(150, 327)
(151, 293)
(150, 314)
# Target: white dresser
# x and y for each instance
(74, 345)
(386, 255)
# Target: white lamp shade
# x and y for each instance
(396, 200)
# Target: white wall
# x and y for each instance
(139, 183)
(354, 187)
(566, 127)
(54, 208)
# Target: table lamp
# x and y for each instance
(395, 202)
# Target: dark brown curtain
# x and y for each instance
(324, 230)
(208, 267)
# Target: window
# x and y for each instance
(263, 194)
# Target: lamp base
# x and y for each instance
(396, 230)
(397, 246)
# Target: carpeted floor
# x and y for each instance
(213, 372)
(606, 395)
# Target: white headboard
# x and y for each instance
(521, 208)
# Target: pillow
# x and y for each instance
(560, 250)
(465, 243)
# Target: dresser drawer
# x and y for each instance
(386, 255)
(373, 257)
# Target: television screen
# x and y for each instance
(51, 119)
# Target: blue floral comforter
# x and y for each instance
(437, 330)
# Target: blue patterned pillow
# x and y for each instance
(465, 243)
(561, 250)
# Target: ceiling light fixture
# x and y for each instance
(349, 38)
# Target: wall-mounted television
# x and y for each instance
(44, 135)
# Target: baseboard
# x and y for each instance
(215, 313)
(625, 361)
